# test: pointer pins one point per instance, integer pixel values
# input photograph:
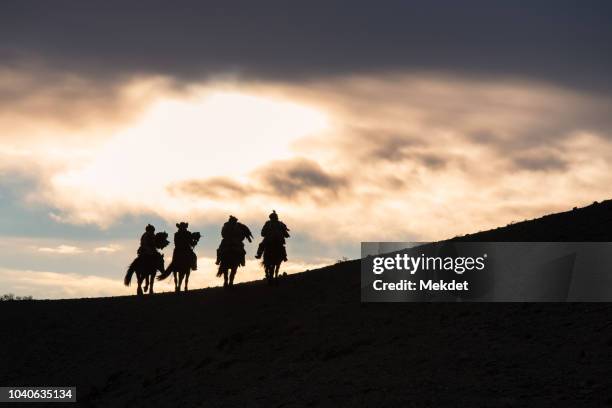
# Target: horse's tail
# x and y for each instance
(219, 272)
(166, 273)
(128, 276)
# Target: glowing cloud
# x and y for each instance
(107, 249)
(215, 133)
(62, 250)
(398, 156)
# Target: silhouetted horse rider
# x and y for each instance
(184, 259)
(272, 247)
(232, 234)
(147, 242)
(149, 259)
(274, 233)
(184, 243)
(231, 253)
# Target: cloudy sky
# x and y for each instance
(355, 120)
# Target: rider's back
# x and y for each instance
(228, 231)
(182, 239)
(235, 231)
(275, 230)
(147, 244)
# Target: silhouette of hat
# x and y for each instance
(149, 227)
(231, 217)
(182, 224)
(274, 215)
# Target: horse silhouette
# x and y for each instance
(181, 265)
(231, 260)
(273, 257)
(231, 252)
(146, 266)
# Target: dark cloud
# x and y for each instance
(397, 148)
(405, 122)
(391, 147)
(432, 161)
(564, 41)
(300, 177)
(540, 163)
(64, 100)
(213, 188)
(293, 179)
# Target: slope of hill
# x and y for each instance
(592, 223)
(310, 342)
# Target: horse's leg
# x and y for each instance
(176, 286)
(181, 275)
(152, 279)
(225, 277)
(146, 282)
(187, 279)
(139, 279)
(232, 275)
(276, 270)
(270, 273)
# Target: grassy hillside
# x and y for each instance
(310, 342)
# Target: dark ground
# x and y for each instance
(310, 342)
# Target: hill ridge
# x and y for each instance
(310, 341)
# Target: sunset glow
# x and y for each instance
(426, 126)
(212, 134)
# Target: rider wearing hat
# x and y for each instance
(147, 241)
(183, 243)
(273, 231)
(233, 233)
